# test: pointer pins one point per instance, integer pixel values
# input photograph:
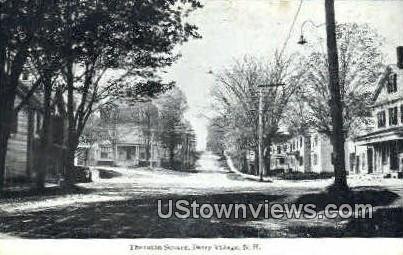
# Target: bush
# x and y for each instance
(305, 176)
(108, 174)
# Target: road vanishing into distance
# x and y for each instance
(123, 203)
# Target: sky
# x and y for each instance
(232, 29)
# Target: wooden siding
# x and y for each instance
(16, 159)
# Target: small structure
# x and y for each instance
(23, 150)
(299, 154)
(24, 134)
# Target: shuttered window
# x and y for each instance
(401, 114)
(392, 83)
(393, 116)
(381, 119)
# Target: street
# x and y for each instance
(124, 205)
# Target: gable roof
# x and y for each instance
(381, 82)
(383, 78)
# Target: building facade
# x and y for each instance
(24, 150)
(384, 146)
(312, 152)
(123, 138)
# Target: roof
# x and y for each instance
(382, 79)
(129, 134)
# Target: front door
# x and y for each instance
(394, 159)
(357, 165)
(370, 155)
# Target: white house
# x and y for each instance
(385, 144)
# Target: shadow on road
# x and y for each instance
(134, 218)
(29, 194)
(385, 222)
(138, 218)
(360, 195)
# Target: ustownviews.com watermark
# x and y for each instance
(184, 209)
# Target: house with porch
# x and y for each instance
(122, 141)
(384, 145)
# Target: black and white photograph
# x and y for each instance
(201, 127)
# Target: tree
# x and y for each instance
(20, 30)
(130, 38)
(172, 106)
(236, 99)
(91, 38)
(360, 64)
(216, 136)
(146, 116)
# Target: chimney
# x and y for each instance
(400, 57)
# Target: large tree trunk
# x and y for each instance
(256, 162)
(3, 153)
(8, 88)
(148, 153)
(336, 106)
(245, 163)
(6, 113)
(45, 135)
(71, 129)
(171, 156)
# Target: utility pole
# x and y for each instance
(260, 126)
(336, 106)
(260, 134)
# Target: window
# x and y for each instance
(301, 161)
(315, 159)
(393, 116)
(282, 161)
(38, 123)
(300, 142)
(401, 114)
(394, 157)
(105, 152)
(130, 154)
(381, 119)
(363, 162)
(357, 164)
(14, 123)
(392, 83)
(278, 149)
(25, 76)
(352, 157)
(315, 141)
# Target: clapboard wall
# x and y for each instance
(17, 152)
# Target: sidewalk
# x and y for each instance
(246, 176)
